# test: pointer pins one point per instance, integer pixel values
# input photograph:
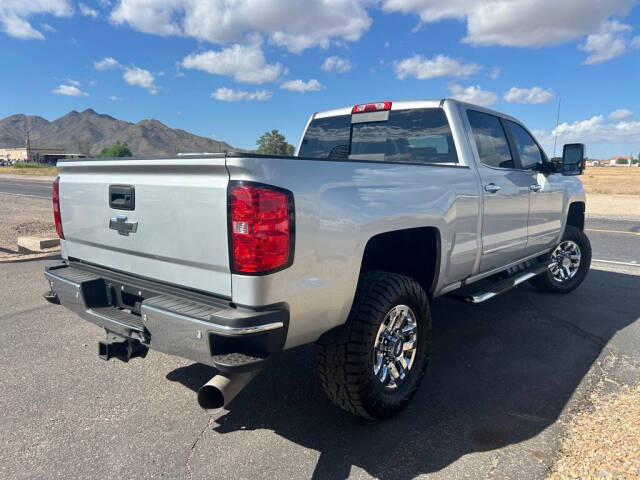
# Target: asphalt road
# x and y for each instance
(612, 240)
(502, 378)
(26, 187)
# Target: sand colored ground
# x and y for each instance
(603, 442)
(611, 180)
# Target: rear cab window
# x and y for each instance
(417, 135)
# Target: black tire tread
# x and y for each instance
(343, 358)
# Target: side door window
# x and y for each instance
(528, 150)
(491, 140)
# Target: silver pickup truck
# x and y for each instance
(228, 259)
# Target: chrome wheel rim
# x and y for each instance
(395, 347)
(565, 261)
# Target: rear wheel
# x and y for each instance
(373, 366)
(568, 263)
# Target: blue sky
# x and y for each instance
(232, 73)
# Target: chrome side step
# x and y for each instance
(487, 289)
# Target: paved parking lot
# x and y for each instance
(502, 378)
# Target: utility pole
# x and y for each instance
(28, 147)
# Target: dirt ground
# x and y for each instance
(611, 180)
(604, 441)
(613, 206)
(22, 216)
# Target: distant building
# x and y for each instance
(613, 161)
(33, 154)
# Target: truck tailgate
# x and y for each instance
(180, 207)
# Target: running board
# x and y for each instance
(487, 289)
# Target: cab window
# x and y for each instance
(528, 150)
(491, 140)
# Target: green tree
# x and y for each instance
(116, 150)
(274, 143)
(622, 161)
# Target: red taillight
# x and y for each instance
(371, 107)
(261, 229)
(56, 207)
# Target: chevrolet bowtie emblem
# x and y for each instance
(122, 226)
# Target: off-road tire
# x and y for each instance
(545, 281)
(345, 357)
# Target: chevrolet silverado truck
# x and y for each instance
(228, 259)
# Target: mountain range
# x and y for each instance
(88, 132)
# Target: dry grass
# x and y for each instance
(604, 442)
(612, 180)
(40, 171)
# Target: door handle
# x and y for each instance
(491, 188)
(535, 187)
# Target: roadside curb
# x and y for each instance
(617, 267)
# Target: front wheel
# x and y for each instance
(373, 366)
(568, 263)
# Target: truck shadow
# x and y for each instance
(500, 373)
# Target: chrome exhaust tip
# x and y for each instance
(218, 392)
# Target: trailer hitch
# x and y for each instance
(125, 350)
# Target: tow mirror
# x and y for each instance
(573, 159)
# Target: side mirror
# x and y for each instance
(573, 159)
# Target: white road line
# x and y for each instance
(613, 262)
(24, 182)
(23, 195)
(34, 184)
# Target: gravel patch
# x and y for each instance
(22, 216)
(605, 441)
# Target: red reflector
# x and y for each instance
(56, 208)
(260, 229)
(371, 107)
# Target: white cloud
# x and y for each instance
(439, 66)
(495, 73)
(73, 82)
(610, 41)
(14, 15)
(141, 78)
(621, 114)
(336, 64)
(69, 90)
(517, 23)
(114, 98)
(48, 28)
(87, 11)
(595, 130)
(301, 86)
(529, 95)
(245, 63)
(293, 24)
(225, 94)
(473, 94)
(106, 63)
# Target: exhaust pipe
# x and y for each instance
(218, 392)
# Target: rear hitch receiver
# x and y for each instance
(124, 351)
(51, 297)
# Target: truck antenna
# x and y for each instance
(555, 140)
